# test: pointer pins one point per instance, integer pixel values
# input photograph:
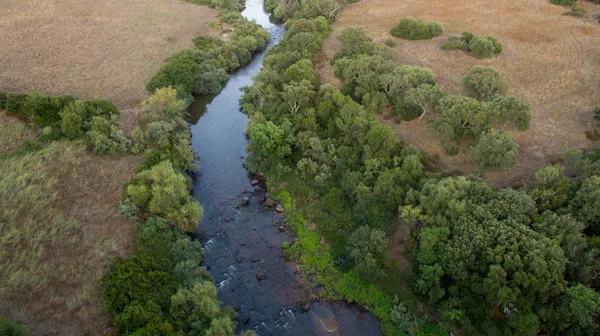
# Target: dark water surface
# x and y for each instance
(240, 242)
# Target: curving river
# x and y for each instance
(242, 242)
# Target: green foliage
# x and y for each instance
(484, 82)
(510, 110)
(567, 3)
(586, 203)
(464, 217)
(2, 100)
(410, 29)
(15, 103)
(495, 150)
(366, 249)
(461, 117)
(552, 190)
(573, 313)
(596, 115)
(162, 191)
(71, 121)
(426, 96)
(106, 137)
(481, 47)
(9, 328)
(390, 43)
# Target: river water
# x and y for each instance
(242, 241)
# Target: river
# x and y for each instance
(243, 241)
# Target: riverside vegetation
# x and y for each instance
(486, 261)
(161, 288)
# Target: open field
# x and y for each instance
(59, 231)
(94, 49)
(550, 60)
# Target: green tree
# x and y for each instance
(495, 150)
(298, 95)
(366, 249)
(426, 96)
(481, 47)
(461, 117)
(551, 190)
(72, 123)
(586, 203)
(484, 82)
(164, 192)
(510, 110)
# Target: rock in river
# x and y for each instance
(254, 182)
(245, 201)
(279, 208)
(261, 275)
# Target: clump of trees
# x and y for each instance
(163, 289)
(65, 117)
(410, 29)
(308, 9)
(480, 46)
(371, 78)
(203, 70)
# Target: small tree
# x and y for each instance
(297, 95)
(367, 250)
(495, 150)
(427, 96)
(481, 47)
(510, 109)
(484, 82)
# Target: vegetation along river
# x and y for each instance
(242, 242)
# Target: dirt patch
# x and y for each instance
(70, 232)
(94, 49)
(549, 60)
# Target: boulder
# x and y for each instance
(261, 276)
(255, 182)
(279, 208)
(245, 201)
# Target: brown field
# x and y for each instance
(550, 60)
(59, 231)
(94, 48)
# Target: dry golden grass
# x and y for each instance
(550, 60)
(13, 133)
(59, 231)
(94, 48)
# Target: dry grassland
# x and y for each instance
(14, 133)
(94, 48)
(550, 60)
(59, 231)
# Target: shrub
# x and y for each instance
(593, 135)
(566, 3)
(497, 45)
(455, 44)
(596, 115)
(136, 280)
(181, 70)
(390, 43)
(481, 47)
(410, 29)
(106, 137)
(15, 103)
(71, 121)
(495, 150)
(467, 36)
(101, 107)
(484, 82)
(2, 100)
(435, 28)
(9, 328)
(163, 192)
(45, 109)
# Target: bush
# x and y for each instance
(45, 109)
(163, 192)
(390, 43)
(456, 44)
(467, 36)
(497, 45)
(435, 28)
(15, 103)
(9, 328)
(410, 29)
(2, 100)
(481, 47)
(106, 137)
(484, 82)
(181, 70)
(566, 3)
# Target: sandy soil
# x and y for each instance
(549, 60)
(94, 48)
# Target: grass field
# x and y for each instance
(59, 231)
(94, 49)
(550, 60)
